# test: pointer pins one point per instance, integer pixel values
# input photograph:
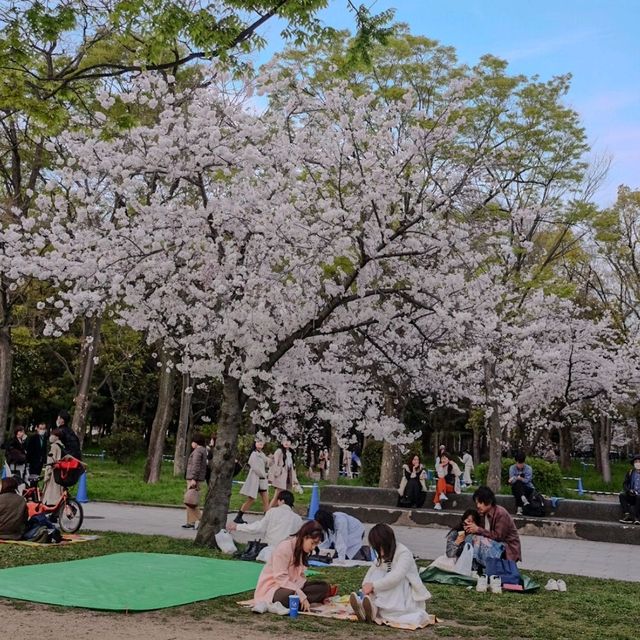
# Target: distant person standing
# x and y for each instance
(52, 490)
(467, 461)
(16, 454)
(196, 473)
(70, 440)
(521, 481)
(37, 445)
(282, 471)
(630, 496)
(323, 463)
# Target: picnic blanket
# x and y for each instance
(340, 609)
(129, 581)
(440, 576)
(67, 538)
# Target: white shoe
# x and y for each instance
(495, 584)
(278, 608)
(481, 585)
(259, 607)
(562, 585)
(437, 507)
(519, 511)
(525, 502)
(552, 585)
(370, 609)
(356, 605)
(443, 497)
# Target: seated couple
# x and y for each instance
(412, 491)
(490, 530)
(392, 588)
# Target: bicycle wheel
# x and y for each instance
(70, 516)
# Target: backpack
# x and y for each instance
(536, 508)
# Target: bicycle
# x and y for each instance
(67, 510)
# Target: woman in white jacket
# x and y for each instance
(256, 482)
(392, 588)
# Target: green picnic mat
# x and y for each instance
(129, 581)
(434, 574)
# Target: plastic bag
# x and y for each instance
(464, 562)
(225, 542)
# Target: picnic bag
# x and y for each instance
(191, 497)
(67, 472)
(536, 507)
(507, 570)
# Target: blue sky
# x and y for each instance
(597, 41)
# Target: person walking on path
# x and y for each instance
(256, 482)
(497, 523)
(521, 481)
(196, 473)
(282, 472)
(630, 496)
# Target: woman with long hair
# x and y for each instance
(392, 588)
(256, 482)
(282, 472)
(413, 489)
(448, 480)
(283, 575)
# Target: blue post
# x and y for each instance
(81, 495)
(314, 504)
(4, 472)
(580, 487)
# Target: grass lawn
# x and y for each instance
(590, 610)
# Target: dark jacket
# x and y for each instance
(503, 529)
(197, 465)
(13, 516)
(71, 443)
(16, 453)
(37, 453)
(627, 483)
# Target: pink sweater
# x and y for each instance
(279, 573)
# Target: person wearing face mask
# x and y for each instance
(630, 496)
(52, 490)
(37, 445)
(70, 440)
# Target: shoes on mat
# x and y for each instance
(552, 585)
(356, 605)
(562, 585)
(370, 609)
(482, 584)
(260, 607)
(495, 584)
(278, 608)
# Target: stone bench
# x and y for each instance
(572, 519)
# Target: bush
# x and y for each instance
(547, 476)
(123, 446)
(371, 461)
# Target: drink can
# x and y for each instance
(294, 606)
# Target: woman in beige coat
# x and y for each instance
(282, 472)
(52, 491)
(256, 482)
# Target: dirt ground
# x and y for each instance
(25, 621)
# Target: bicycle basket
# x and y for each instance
(66, 473)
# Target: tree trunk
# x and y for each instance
(6, 364)
(604, 445)
(597, 451)
(180, 453)
(391, 467)
(86, 365)
(494, 475)
(216, 506)
(161, 421)
(565, 445)
(334, 459)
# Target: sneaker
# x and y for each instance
(260, 607)
(552, 585)
(626, 519)
(443, 497)
(495, 584)
(636, 522)
(481, 585)
(370, 609)
(519, 511)
(562, 585)
(188, 526)
(357, 607)
(437, 507)
(525, 502)
(278, 608)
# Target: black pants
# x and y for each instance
(315, 590)
(519, 489)
(630, 503)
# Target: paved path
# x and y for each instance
(577, 557)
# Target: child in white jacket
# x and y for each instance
(392, 588)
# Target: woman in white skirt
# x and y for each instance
(392, 588)
(256, 482)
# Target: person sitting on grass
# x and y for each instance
(13, 511)
(448, 474)
(392, 588)
(520, 479)
(283, 575)
(278, 524)
(630, 496)
(497, 523)
(483, 547)
(344, 533)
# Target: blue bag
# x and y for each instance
(506, 569)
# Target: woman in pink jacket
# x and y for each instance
(283, 575)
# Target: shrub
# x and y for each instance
(371, 461)
(123, 446)
(547, 476)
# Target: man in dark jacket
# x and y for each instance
(13, 511)
(37, 447)
(630, 496)
(70, 440)
(498, 523)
